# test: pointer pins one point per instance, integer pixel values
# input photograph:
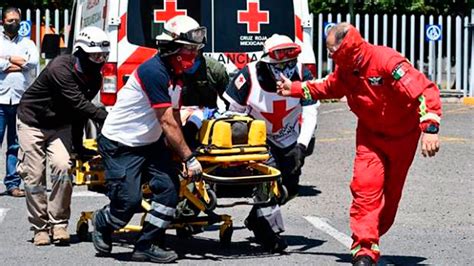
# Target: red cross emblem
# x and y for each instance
(169, 11)
(253, 16)
(279, 113)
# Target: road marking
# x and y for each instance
(322, 225)
(3, 213)
(87, 194)
(333, 139)
(334, 110)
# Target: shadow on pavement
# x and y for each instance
(385, 260)
(308, 191)
(200, 248)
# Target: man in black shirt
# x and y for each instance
(59, 97)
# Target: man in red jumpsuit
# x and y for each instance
(395, 104)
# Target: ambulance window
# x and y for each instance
(145, 18)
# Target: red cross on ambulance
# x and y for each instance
(169, 11)
(278, 115)
(253, 16)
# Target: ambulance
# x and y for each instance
(236, 31)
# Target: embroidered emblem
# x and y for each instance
(376, 81)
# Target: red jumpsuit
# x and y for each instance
(393, 102)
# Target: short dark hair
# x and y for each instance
(10, 9)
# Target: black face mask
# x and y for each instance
(12, 28)
(87, 66)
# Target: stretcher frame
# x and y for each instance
(91, 174)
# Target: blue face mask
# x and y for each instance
(192, 70)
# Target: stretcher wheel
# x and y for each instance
(212, 200)
(225, 234)
(83, 231)
(183, 233)
(283, 195)
(188, 231)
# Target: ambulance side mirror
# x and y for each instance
(50, 46)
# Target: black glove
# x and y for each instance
(85, 154)
(296, 155)
(100, 115)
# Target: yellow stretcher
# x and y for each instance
(228, 157)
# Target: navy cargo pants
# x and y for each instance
(126, 169)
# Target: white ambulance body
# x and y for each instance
(237, 30)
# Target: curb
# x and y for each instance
(468, 100)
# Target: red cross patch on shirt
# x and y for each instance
(240, 81)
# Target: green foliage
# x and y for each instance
(436, 7)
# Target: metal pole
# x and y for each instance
(351, 11)
(471, 88)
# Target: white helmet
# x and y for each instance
(279, 48)
(182, 29)
(92, 40)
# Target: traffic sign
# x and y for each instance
(433, 32)
(25, 28)
(327, 26)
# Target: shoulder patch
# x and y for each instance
(240, 81)
(399, 71)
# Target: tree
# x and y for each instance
(435, 7)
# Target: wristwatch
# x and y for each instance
(8, 58)
(432, 129)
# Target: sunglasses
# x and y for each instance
(197, 35)
(288, 51)
(99, 44)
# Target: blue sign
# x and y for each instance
(25, 29)
(327, 26)
(433, 33)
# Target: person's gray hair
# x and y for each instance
(340, 31)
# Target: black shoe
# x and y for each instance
(155, 254)
(277, 245)
(264, 234)
(363, 260)
(102, 239)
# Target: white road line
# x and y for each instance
(334, 111)
(86, 194)
(322, 225)
(3, 213)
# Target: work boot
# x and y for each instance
(60, 236)
(363, 260)
(264, 234)
(101, 237)
(16, 192)
(154, 254)
(41, 238)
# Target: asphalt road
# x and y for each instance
(435, 223)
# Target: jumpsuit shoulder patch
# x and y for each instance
(399, 71)
(240, 81)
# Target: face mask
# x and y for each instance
(87, 65)
(98, 58)
(182, 62)
(12, 28)
(194, 68)
(288, 69)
